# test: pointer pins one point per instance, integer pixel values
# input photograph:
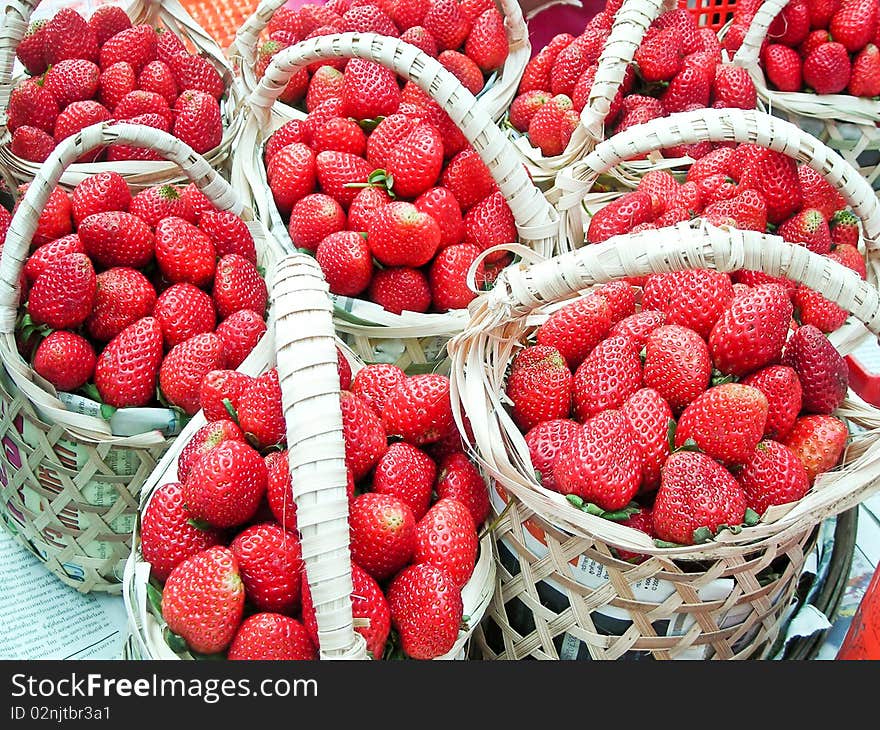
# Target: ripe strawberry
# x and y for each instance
(774, 176)
(415, 163)
(619, 216)
(30, 104)
(821, 369)
(46, 253)
(465, 69)
(313, 218)
(369, 90)
(401, 235)
(226, 485)
(271, 636)
(291, 175)
(752, 332)
(734, 88)
(197, 73)
(827, 69)
(537, 71)
(185, 366)
(418, 409)
(238, 285)
(137, 45)
(387, 135)
(467, 178)
(184, 253)
(782, 65)
(209, 436)
(677, 365)
(157, 77)
(117, 238)
(368, 18)
(325, 84)
(539, 386)
(203, 600)
(716, 162)
(374, 381)
(220, 385)
(853, 24)
(690, 86)
(138, 102)
(525, 106)
(400, 289)
(544, 441)
(812, 308)
(696, 495)
(336, 171)
(117, 152)
(123, 296)
(781, 387)
(115, 83)
(240, 332)
(77, 116)
(63, 295)
(649, 415)
(259, 411)
(551, 127)
(642, 521)
(288, 133)
(279, 486)
(792, 25)
(446, 22)
(107, 21)
(65, 359)
(68, 35)
(851, 257)
(490, 223)
(609, 375)
(459, 479)
(660, 56)
(818, 192)
(694, 298)
(31, 143)
(102, 192)
(408, 474)
(367, 201)
(662, 187)
(639, 326)
(383, 534)
(773, 475)
(197, 120)
(864, 80)
(169, 534)
(73, 79)
(31, 49)
(340, 135)
(364, 434)
(726, 422)
(229, 234)
(446, 537)
(575, 329)
(818, 441)
(127, 369)
(487, 43)
(270, 564)
(441, 205)
(346, 262)
(746, 211)
(184, 311)
(448, 277)
(56, 218)
(808, 227)
(574, 60)
(420, 38)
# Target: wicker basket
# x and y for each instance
(719, 599)
(139, 174)
(411, 340)
(69, 478)
(848, 124)
(576, 203)
(305, 355)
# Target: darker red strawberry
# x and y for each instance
(127, 370)
(822, 371)
(270, 564)
(383, 534)
(259, 411)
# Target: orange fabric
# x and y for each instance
(220, 19)
(711, 13)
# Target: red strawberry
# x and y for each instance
(415, 163)
(336, 171)
(220, 385)
(168, 532)
(550, 128)
(694, 298)
(660, 56)
(782, 65)
(313, 218)
(184, 253)
(845, 228)
(525, 106)
(31, 143)
(774, 176)
(407, 13)
(420, 38)
(851, 257)
(115, 83)
(639, 326)
(490, 223)
(459, 479)
(726, 422)
(387, 135)
(818, 441)
(812, 308)
(127, 369)
(734, 88)
(369, 90)
(747, 211)
(346, 262)
(137, 45)
(117, 152)
(773, 475)
(465, 69)
(792, 25)
(374, 381)
(55, 218)
(539, 386)
(781, 387)
(426, 610)
(203, 600)
(183, 311)
(662, 187)
(683, 21)
(364, 433)
(442, 206)
(226, 485)
(122, 297)
(690, 86)
(467, 178)
(197, 120)
(46, 253)
(288, 133)
(184, 367)
(649, 415)
(270, 563)
(418, 409)
(291, 175)
(197, 73)
(446, 22)
(853, 24)
(73, 79)
(117, 238)
(68, 35)
(31, 50)
(77, 116)
(139, 102)
(383, 534)
(487, 43)
(822, 371)
(367, 201)
(340, 135)
(271, 636)
(368, 18)
(107, 21)
(65, 359)
(827, 69)
(229, 233)
(609, 375)
(259, 411)
(643, 521)
(537, 71)
(864, 80)
(30, 104)
(808, 227)
(238, 285)
(209, 436)
(401, 235)
(325, 85)
(575, 329)
(448, 277)
(279, 494)
(677, 365)
(574, 60)
(620, 216)
(406, 473)
(545, 441)
(63, 295)
(697, 496)
(240, 332)
(104, 191)
(400, 289)
(818, 192)
(158, 78)
(446, 537)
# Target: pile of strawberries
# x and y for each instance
(680, 407)
(750, 188)
(824, 46)
(381, 186)
(222, 540)
(467, 37)
(83, 72)
(676, 68)
(121, 294)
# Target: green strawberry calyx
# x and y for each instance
(368, 125)
(593, 509)
(377, 179)
(688, 445)
(705, 534)
(719, 378)
(230, 409)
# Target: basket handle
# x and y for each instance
(16, 18)
(535, 217)
(247, 38)
(307, 370)
(24, 222)
(748, 53)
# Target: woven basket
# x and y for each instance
(304, 352)
(720, 599)
(69, 478)
(576, 203)
(495, 96)
(848, 124)
(411, 340)
(139, 174)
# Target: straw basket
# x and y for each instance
(494, 97)
(411, 340)
(575, 201)
(846, 123)
(305, 356)
(69, 477)
(561, 590)
(139, 174)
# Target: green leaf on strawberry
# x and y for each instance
(368, 125)
(154, 596)
(594, 509)
(175, 642)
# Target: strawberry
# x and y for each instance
(609, 375)
(574, 60)
(812, 308)
(619, 216)
(448, 277)
(487, 43)
(383, 534)
(415, 163)
(690, 86)
(845, 228)
(346, 262)
(407, 13)
(441, 205)
(575, 329)
(240, 332)
(446, 22)
(77, 116)
(827, 68)
(184, 253)
(197, 120)
(373, 382)
(639, 326)
(536, 75)
(117, 152)
(734, 88)
(649, 415)
(677, 365)
(545, 441)
(465, 69)
(68, 35)
(696, 496)
(773, 475)
(229, 234)
(821, 369)
(660, 56)
(792, 25)
(387, 135)
(207, 437)
(399, 234)
(490, 223)
(184, 367)
(774, 176)
(459, 479)
(137, 45)
(853, 24)
(122, 297)
(865, 69)
(115, 83)
(400, 289)
(747, 211)
(117, 238)
(683, 21)
(220, 385)
(446, 537)
(107, 21)
(818, 192)
(815, 39)
(31, 49)
(336, 171)
(782, 389)
(643, 521)
(715, 163)
(158, 78)
(30, 104)
(102, 192)
(291, 175)
(73, 79)
(46, 253)
(420, 38)
(31, 143)
(694, 298)
(343, 369)
(203, 600)
(259, 411)
(65, 359)
(326, 83)
(726, 422)
(313, 218)
(369, 90)
(340, 135)
(271, 636)
(418, 409)
(408, 474)
(279, 486)
(270, 564)
(225, 486)
(56, 219)
(169, 534)
(238, 285)
(525, 106)
(539, 386)
(818, 441)
(127, 370)
(63, 295)
(368, 18)
(139, 102)
(602, 463)
(184, 311)
(808, 227)
(364, 434)
(288, 133)
(851, 257)
(196, 73)
(752, 332)
(782, 65)
(550, 128)
(662, 187)
(467, 178)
